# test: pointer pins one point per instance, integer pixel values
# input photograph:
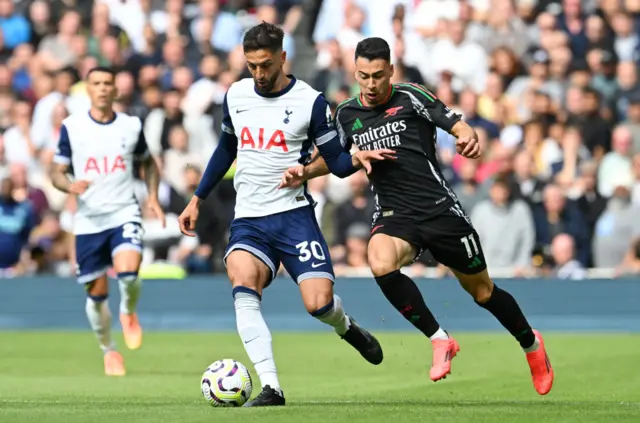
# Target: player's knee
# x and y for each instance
(318, 304)
(317, 294)
(381, 266)
(482, 293)
(97, 291)
(247, 276)
(479, 286)
(128, 277)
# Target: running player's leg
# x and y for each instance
(456, 244)
(305, 255)
(392, 246)
(93, 261)
(251, 266)
(126, 250)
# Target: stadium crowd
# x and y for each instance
(550, 86)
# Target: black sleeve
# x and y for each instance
(427, 106)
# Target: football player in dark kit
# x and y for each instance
(416, 209)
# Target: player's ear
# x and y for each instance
(283, 57)
(392, 70)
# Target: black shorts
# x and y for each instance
(449, 237)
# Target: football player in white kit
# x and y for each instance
(98, 148)
(270, 123)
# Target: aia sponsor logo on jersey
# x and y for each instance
(392, 111)
(104, 165)
(263, 141)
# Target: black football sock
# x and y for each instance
(505, 308)
(405, 296)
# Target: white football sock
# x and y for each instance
(440, 334)
(255, 335)
(130, 285)
(534, 347)
(99, 317)
(333, 315)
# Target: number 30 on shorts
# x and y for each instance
(133, 232)
(470, 242)
(308, 249)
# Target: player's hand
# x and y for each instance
(78, 187)
(293, 177)
(154, 207)
(365, 158)
(468, 147)
(189, 217)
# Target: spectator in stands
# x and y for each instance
(630, 265)
(14, 27)
(469, 108)
(635, 187)
(589, 200)
(505, 227)
(633, 121)
(565, 264)
(557, 215)
(615, 168)
(464, 60)
(17, 219)
(356, 239)
(358, 209)
(615, 229)
(23, 191)
(595, 130)
(467, 189)
(522, 182)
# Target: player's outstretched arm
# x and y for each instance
(334, 152)
(435, 111)
(467, 144)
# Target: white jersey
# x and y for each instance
(103, 154)
(274, 132)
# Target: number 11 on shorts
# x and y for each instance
(468, 242)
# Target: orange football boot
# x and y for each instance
(114, 364)
(541, 370)
(443, 352)
(131, 330)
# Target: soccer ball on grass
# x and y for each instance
(226, 383)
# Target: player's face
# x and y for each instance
(265, 67)
(374, 78)
(102, 89)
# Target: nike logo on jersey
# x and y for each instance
(241, 111)
(314, 265)
(252, 339)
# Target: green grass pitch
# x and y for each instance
(58, 378)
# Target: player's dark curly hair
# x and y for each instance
(264, 36)
(102, 69)
(373, 48)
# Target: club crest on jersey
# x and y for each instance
(392, 111)
(288, 113)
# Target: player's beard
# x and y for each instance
(268, 87)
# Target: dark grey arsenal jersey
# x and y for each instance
(411, 186)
